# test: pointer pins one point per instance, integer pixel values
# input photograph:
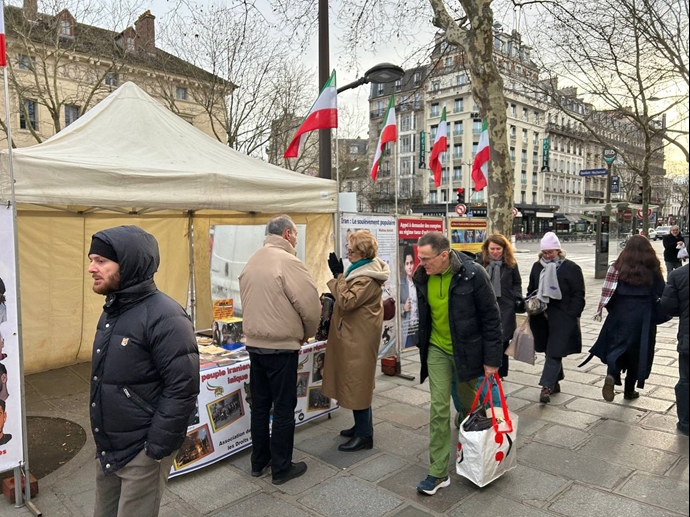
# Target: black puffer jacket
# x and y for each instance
(475, 321)
(145, 366)
(676, 302)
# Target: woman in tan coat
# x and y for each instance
(355, 335)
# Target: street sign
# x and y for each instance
(460, 209)
(515, 212)
(593, 172)
(422, 150)
(609, 155)
(627, 215)
(639, 213)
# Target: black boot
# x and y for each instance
(348, 433)
(357, 443)
(629, 393)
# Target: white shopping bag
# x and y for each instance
(484, 456)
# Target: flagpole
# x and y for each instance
(395, 175)
(337, 246)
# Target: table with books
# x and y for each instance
(221, 424)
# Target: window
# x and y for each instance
(417, 100)
(25, 62)
(433, 131)
(523, 197)
(417, 78)
(460, 79)
(29, 123)
(534, 198)
(129, 44)
(435, 110)
(458, 105)
(405, 144)
(435, 86)
(379, 89)
(111, 79)
(379, 108)
(406, 122)
(523, 177)
(512, 154)
(513, 110)
(513, 131)
(65, 28)
(457, 151)
(458, 128)
(524, 136)
(476, 127)
(71, 113)
(524, 156)
(457, 173)
(398, 85)
(354, 149)
(525, 116)
(180, 93)
(448, 61)
(535, 138)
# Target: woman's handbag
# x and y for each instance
(388, 309)
(521, 347)
(487, 452)
(534, 305)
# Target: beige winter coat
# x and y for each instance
(355, 335)
(280, 302)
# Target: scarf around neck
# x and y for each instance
(548, 280)
(494, 270)
(355, 265)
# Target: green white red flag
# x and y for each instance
(322, 115)
(389, 133)
(480, 165)
(440, 146)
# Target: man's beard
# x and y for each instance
(109, 284)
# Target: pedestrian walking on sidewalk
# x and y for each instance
(459, 334)
(498, 259)
(675, 302)
(558, 283)
(355, 335)
(144, 375)
(631, 291)
(673, 242)
(280, 311)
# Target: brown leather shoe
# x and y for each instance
(607, 391)
(545, 395)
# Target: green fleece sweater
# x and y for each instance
(438, 288)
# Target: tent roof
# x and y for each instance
(130, 151)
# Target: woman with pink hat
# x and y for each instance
(560, 287)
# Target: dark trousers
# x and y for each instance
(273, 379)
(503, 369)
(552, 372)
(364, 424)
(682, 388)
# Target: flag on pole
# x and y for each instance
(3, 49)
(480, 165)
(440, 146)
(322, 115)
(389, 133)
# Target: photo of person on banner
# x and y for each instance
(408, 299)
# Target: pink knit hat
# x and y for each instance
(550, 242)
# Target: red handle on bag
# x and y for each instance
(489, 396)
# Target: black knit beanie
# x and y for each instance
(102, 248)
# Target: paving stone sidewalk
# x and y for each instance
(578, 456)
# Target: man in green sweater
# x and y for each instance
(459, 334)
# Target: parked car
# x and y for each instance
(662, 231)
(652, 233)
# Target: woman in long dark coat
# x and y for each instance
(627, 338)
(499, 261)
(559, 283)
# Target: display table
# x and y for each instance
(222, 422)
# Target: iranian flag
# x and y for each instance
(3, 51)
(480, 165)
(440, 146)
(322, 115)
(389, 133)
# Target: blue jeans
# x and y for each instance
(364, 423)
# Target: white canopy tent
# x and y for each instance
(129, 160)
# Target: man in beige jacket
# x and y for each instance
(280, 310)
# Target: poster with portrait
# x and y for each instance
(223, 426)
(467, 233)
(410, 229)
(384, 231)
(11, 447)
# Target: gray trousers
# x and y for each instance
(135, 489)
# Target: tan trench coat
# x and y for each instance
(355, 335)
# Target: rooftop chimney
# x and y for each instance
(31, 9)
(145, 27)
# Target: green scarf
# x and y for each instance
(357, 264)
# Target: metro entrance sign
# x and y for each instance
(593, 172)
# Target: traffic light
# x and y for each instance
(639, 195)
(461, 195)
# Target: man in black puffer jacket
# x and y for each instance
(676, 302)
(144, 378)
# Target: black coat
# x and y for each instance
(675, 302)
(145, 366)
(558, 329)
(475, 321)
(511, 292)
(670, 242)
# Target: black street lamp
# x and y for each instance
(381, 73)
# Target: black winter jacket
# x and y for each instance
(145, 366)
(670, 242)
(676, 302)
(475, 321)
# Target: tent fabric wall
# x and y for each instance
(59, 308)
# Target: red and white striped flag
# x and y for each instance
(3, 49)
(322, 115)
(389, 133)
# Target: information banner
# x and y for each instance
(383, 229)
(11, 450)
(410, 229)
(222, 424)
(467, 234)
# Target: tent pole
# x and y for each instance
(192, 278)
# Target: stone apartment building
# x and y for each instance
(59, 68)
